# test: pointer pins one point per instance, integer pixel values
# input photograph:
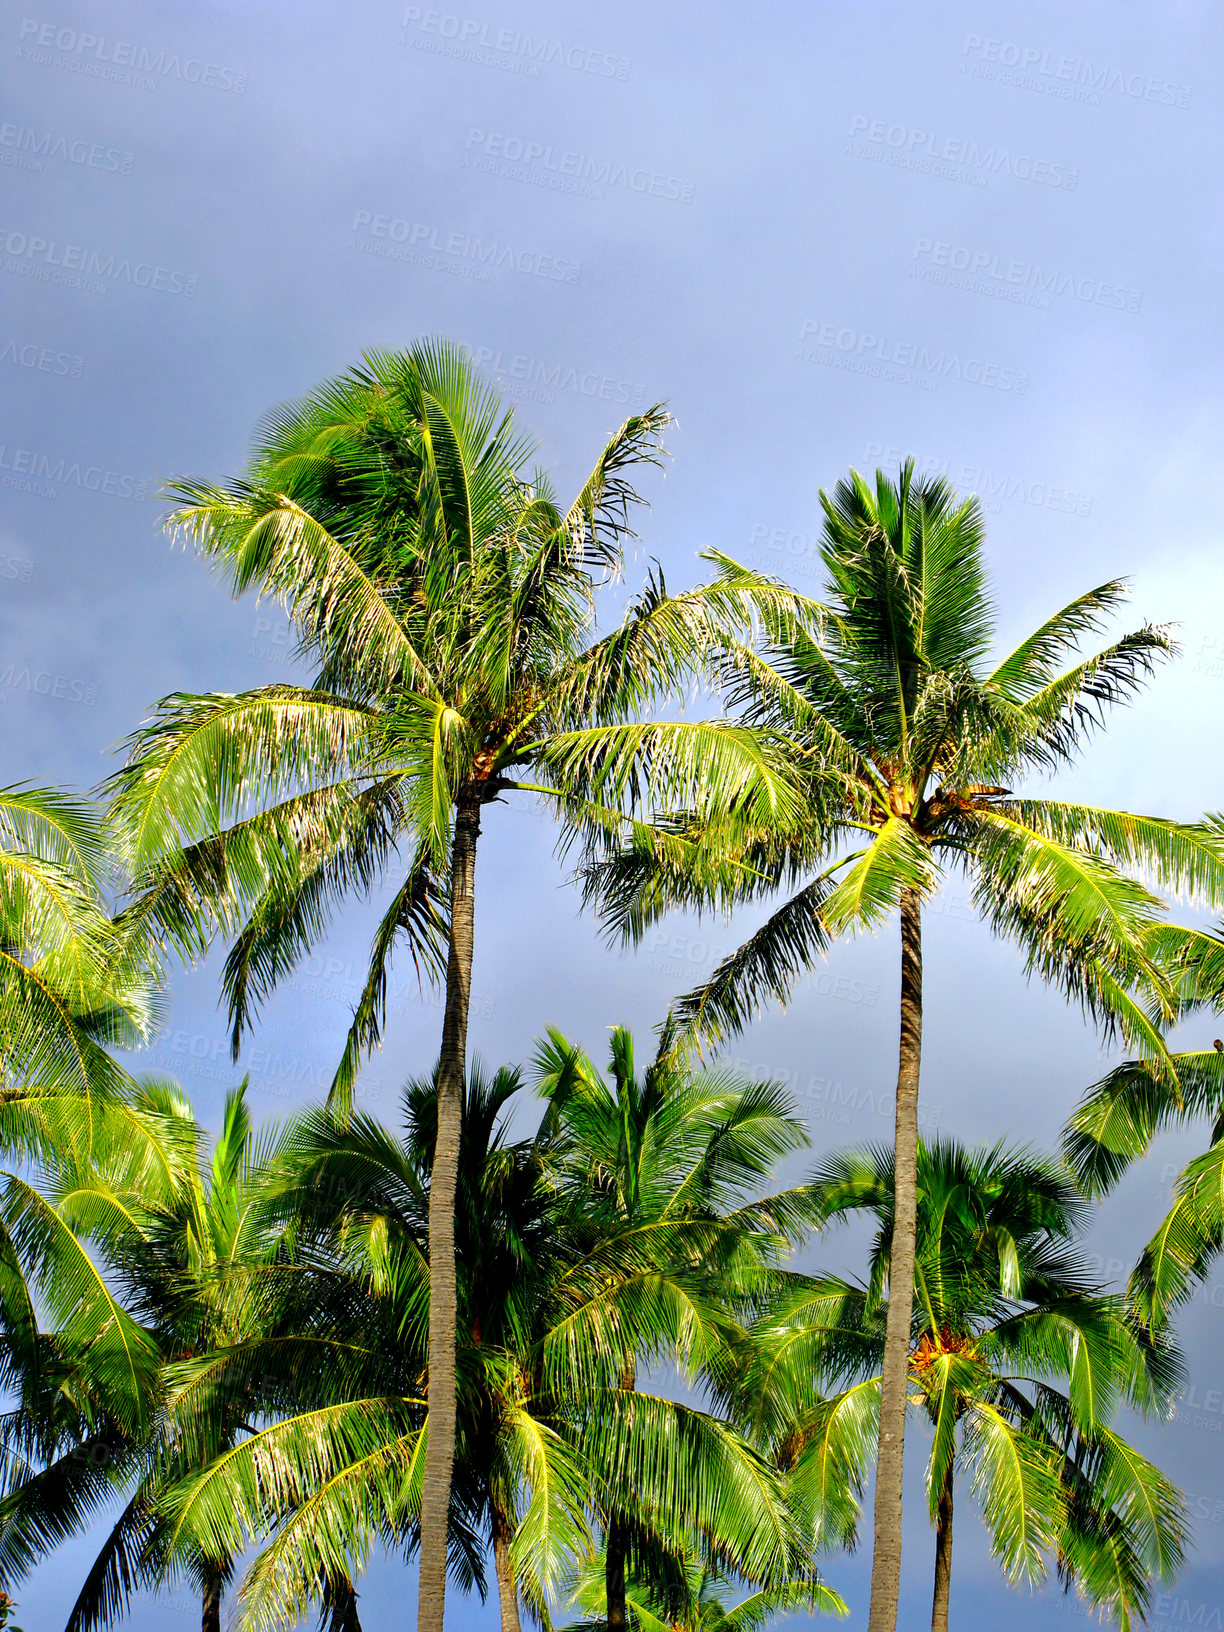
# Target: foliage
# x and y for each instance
(1018, 1362)
(556, 1297)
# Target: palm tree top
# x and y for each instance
(909, 741)
(446, 601)
(910, 622)
(669, 1144)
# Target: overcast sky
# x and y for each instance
(827, 235)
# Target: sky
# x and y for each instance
(827, 236)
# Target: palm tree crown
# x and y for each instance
(912, 742)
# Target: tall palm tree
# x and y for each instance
(445, 600)
(913, 741)
(336, 1464)
(1004, 1310)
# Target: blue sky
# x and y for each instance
(988, 236)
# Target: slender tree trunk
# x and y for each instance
(440, 1445)
(210, 1620)
(943, 1557)
(507, 1590)
(615, 1547)
(614, 1576)
(886, 1557)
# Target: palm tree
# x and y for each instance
(168, 1238)
(1003, 1310)
(666, 1162)
(912, 742)
(446, 602)
(77, 1364)
(337, 1464)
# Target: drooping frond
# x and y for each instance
(1118, 1118)
(1081, 924)
(767, 965)
(417, 916)
(327, 584)
(1015, 1477)
(1187, 1241)
(203, 760)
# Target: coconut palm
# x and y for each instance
(914, 741)
(668, 1161)
(445, 600)
(539, 1444)
(168, 1239)
(1004, 1312)
(78, 1366)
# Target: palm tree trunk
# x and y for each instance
(886, 1557)
(616, 1541)
(507, 1591)
(614, 1575)
(943, 1557)
(440, 1444)
(210, 1620)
